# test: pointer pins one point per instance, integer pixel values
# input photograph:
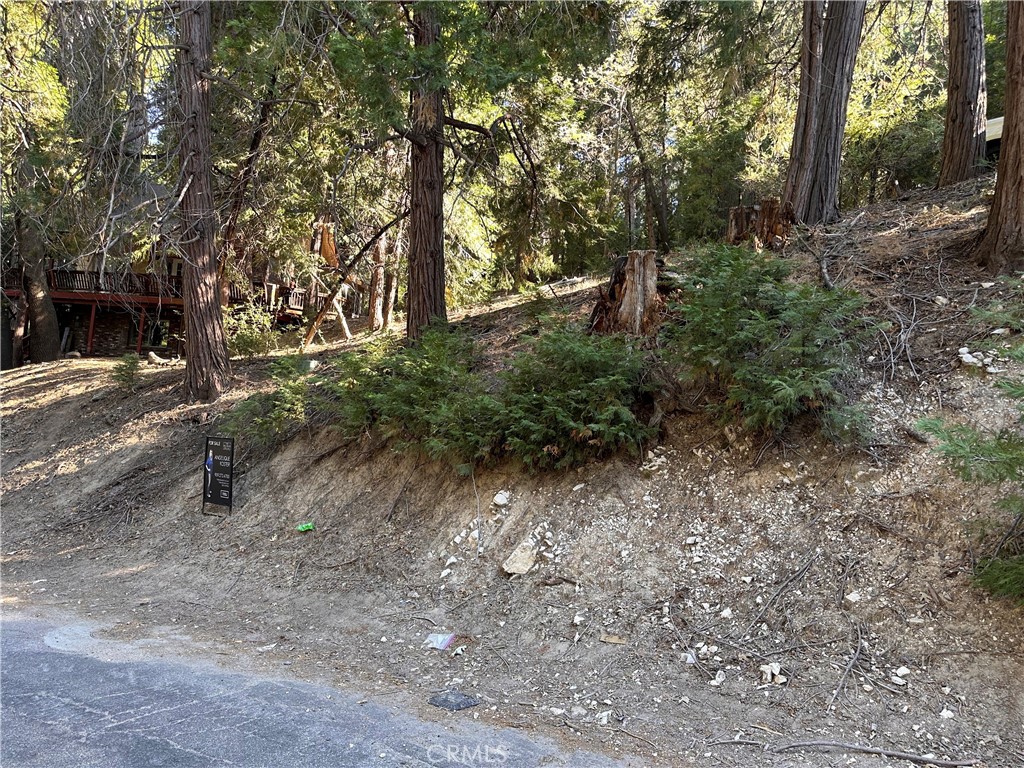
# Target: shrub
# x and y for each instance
(774, 349)
(570, 397)
(126, 371)
(249, 330)
(267, 418)
(567, 398)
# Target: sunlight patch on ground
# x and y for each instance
(127, 571)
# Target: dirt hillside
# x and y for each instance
(709, 603)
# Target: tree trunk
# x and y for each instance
(392, 270)
(812, 183)
(41, 315)
(1002, 247)
(843, 24)
(20, 332)
(801, 157)
(44, 344)
(206, 357)
(963, 142)
(376, 301)
(426, 299)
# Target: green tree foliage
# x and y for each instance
(994, 14)
(896, 113)
(574, 131)
(249, 330)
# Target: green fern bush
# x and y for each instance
(571, 397)
(568, 398)
(773, 349)
(268, 418)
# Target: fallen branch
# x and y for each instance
(846, 672)
(778, 593)
(922, 759)
(748, 742)
(628, 733)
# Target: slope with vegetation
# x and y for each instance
(732, 590)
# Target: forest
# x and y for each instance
(449, 152)
(648, 373)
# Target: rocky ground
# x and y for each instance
(716, 601)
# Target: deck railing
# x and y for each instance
(80, 281)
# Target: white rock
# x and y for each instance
(946, 714)
(446, 573)
(691, 540)
(853, 597)
(726, 613)
(579, 487)
(747, 579)
(987, 285)
(902, 672)
(522, 558)
(452, 560)
(1001, 332)
(719, 678)
(502, 498)
(942, 301)
(898, 680)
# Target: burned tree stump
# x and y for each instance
(630, 303)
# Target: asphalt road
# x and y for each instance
(68, 700)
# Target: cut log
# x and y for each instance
(631, 302)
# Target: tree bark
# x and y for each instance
(426, 299)
(44, 343)
(376, 301)
(963, 142)
(812, 183)
(206, 358)
(41, 315)
(801, 157)
(843, 24)
(1002, 247)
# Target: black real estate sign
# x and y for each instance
(218, 471)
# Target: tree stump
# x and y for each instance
(767, 224)
(630, 303)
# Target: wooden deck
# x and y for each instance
(74, 286)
